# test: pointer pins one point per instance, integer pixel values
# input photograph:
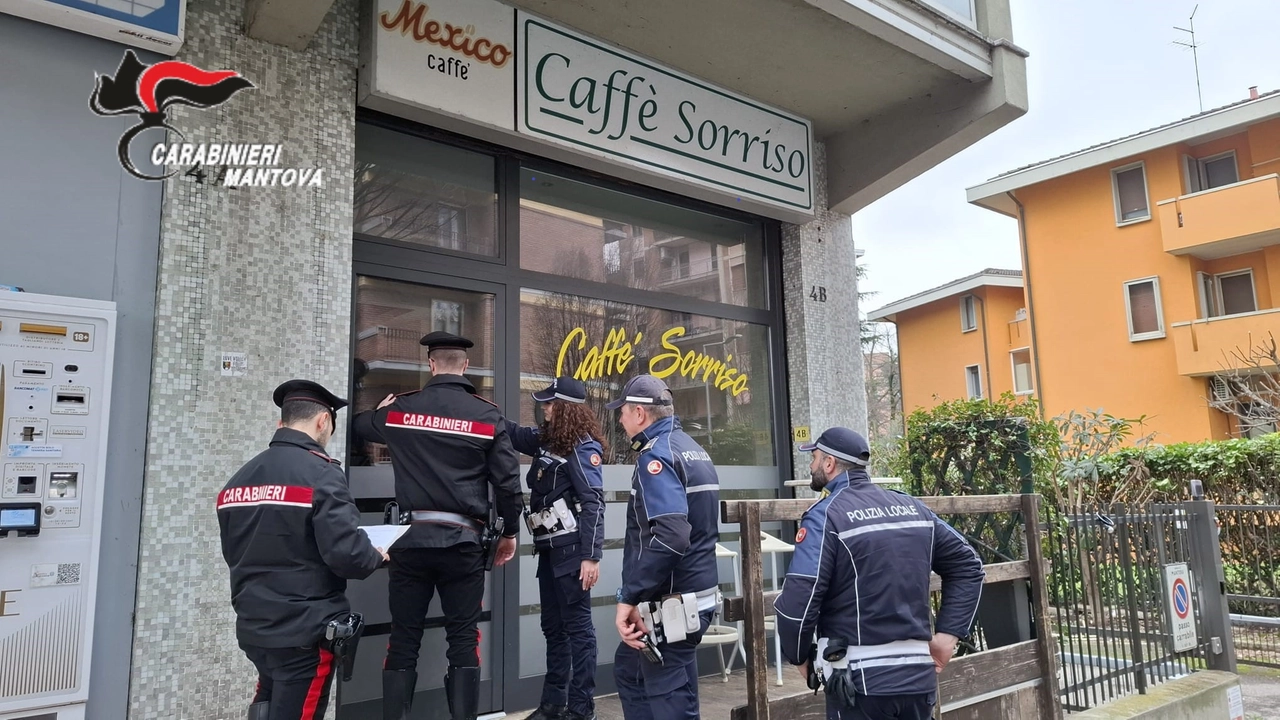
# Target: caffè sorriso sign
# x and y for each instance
(587, 95)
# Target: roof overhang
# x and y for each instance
(889, 312)
(994, 194)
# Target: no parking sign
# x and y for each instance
(1177, 597)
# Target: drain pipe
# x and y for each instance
(989, 391)
(1031, 311)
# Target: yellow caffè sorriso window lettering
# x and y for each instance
(616, 353)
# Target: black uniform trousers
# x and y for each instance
(571, 638)
(884, 707)
(296, 681)
(416, 574)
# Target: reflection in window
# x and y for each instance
(592, 233)
(391, 317)
(446, 317)
(717, 369)
(417, 191)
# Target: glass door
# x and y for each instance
(393, 309)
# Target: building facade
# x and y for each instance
(1151, 269)
(966, 339)
(491, 169)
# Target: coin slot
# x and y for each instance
(63, 484)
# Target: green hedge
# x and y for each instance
(1234, 472)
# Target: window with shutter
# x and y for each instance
(1130, 185)
(1142, 301)
(1236, 292)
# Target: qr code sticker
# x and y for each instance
(68, 574)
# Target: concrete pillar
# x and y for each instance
(264, 271)
(820, 302)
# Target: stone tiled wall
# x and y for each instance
(263, 271)
(824, 356)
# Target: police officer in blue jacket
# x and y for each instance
(566, 518)
(860, 580)
(670, 582)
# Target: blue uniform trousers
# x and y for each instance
(571, 638)
(669, 691)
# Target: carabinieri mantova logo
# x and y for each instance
(148, 91)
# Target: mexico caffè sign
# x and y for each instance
(509, 73)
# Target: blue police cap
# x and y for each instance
(563, 388)
(642, 390)
(843, 444)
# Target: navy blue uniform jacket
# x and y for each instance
(577, 478)
(861, 573)
(672, 517)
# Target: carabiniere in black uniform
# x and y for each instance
(290, 537)
(448, 446)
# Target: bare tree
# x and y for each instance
(1248, 387)
(401, 206)
(884, 386)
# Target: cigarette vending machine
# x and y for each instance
(55, 387)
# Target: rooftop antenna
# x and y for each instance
(1194, 54)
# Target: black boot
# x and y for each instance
(462, 687)
(547, 711)
(591, 715)
(397, 693)
(260, 711)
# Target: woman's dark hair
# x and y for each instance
(572, 422)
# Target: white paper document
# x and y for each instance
(384, 536)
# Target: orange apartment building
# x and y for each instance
(966, 339)
(1148, 262)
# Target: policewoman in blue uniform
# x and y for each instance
(449, 447)
(859, 581)
(566, 519)
(670, 581)
(290, 536)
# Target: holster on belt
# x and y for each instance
(812, 678)
(837, 679)
(391, 515)
(342, 635)
(489, 540)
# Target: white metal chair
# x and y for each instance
(720, 635)
(771, 546)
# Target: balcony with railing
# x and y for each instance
(675, 273)
(1214, 345)
(1228, 220)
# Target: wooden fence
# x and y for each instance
(1016, 681)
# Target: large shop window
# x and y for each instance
(587, 232)
(718, 370)
(391, 317)
(424, 193)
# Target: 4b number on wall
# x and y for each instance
(818, 293)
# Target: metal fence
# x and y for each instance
(1247, 535)
(1107, 592)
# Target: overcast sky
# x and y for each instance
(1099, 69)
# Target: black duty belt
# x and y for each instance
(446, 518)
